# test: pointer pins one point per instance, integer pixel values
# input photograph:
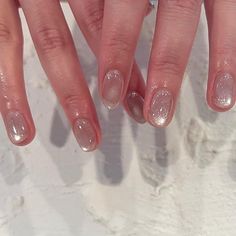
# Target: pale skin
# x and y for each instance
(113, 42)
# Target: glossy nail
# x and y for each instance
(161, 105)
(135, 105)
(17, 127)
(224, 89)
(112, 89)
(85, 135)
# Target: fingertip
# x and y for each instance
(221, 94)
(87, 134)
(134, 103)
(159, 109)
(20, 129)
(218, 108)
(112, 89)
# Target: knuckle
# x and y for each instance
(118, 43)
(94, 18)
(7, 36)
(169, 63)
(73, 100)
(50, 39)
(226, 48)
(188, 6)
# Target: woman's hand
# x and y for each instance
(176, 25)
(54, 44)
(89, 16)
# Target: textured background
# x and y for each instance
(179, 181)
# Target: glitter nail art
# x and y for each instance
(161, 105)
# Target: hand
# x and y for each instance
(176, 25)
(59, 59)
(89, 16)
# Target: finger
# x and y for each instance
(89, 15)
(221, 92)
(13, 102)
(175, 30)
(57, 54)
(118, 44)
(134, 99)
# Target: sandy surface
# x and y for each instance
(142, 181)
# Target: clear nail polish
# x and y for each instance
(224, 89)
(135, 104)
(85, 135)
(112, 89)
(161, 105)
(17, 127)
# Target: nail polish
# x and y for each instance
(135, 105)
(224, 89)
(112, 89)
(85, 135)
(17, 127)
(161, 105)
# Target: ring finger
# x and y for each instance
(120, 31)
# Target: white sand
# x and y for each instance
(142, 182)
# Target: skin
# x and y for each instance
(176, 26)
(113, 42)
(58, 56)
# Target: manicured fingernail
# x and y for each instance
(135, 105)
(112, 89)
(161, 105)
(17, 127)
(85, 135)
(224, 89)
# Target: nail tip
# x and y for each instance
(109, 106)
(159, 124)
(18, 143)
(220, 108)
(224, 104)
(87, 150)
(142, 122)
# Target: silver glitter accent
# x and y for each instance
(161, 106)
(224, 90)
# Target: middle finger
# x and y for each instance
(121, 27)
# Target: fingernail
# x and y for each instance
(224, 88)
(17, 127)
(135, 105)
(85, 135)
(161, 105)
(112, 89)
